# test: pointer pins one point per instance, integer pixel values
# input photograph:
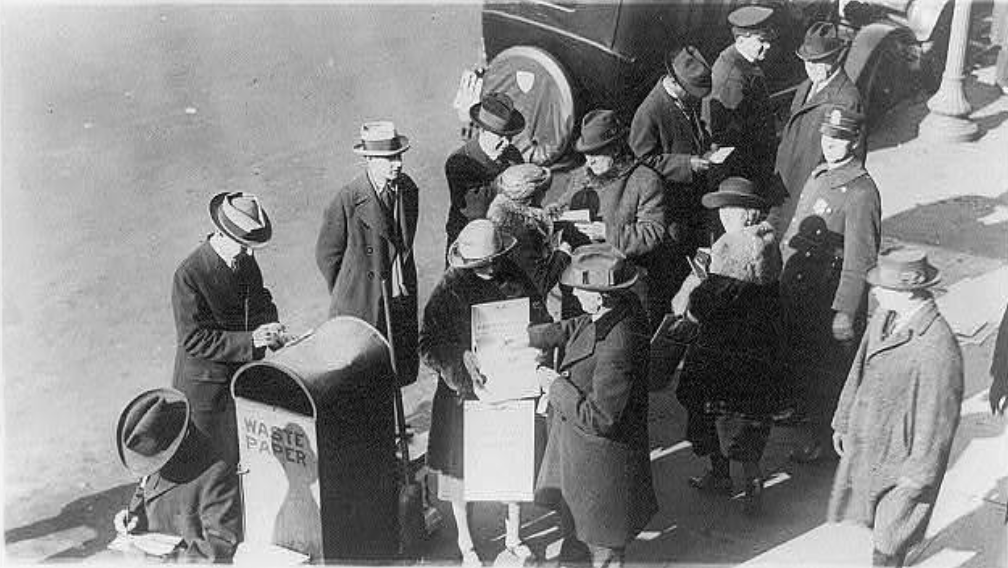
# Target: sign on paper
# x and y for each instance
(500, 343)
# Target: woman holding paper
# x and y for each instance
(478, 273)
(596, 470)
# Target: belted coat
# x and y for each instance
(799, 151)
(596, 457)
(898, 413)
(354, 252)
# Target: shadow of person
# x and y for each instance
(298, 524)
(92, 511)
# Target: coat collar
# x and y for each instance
(843, 175)
(581, 345)
(370, 210)
(918, 325)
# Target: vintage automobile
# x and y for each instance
(559, 59)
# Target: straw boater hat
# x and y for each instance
(821, 43)
(599, 268)
(734, 192)
(689, 68)
(241, 217)
(496, 112)
(380, 138)
(905, 270)
(151, 429)
(478, 244)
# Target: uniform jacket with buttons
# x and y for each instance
(898, 412)
(354, 252)
(596, 457)
(470, 174)
(195, 496)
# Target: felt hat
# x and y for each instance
(903, 269)
(151, 429)
(599, 129)
(734, 192)
(496, 112)
(478, 244)
(521, 181)
(240, 216)
(839, 122)
(599, 267)
(752, 19)
(821, 42)
(380, 138)
(689, 68)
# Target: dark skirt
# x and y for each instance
(445, 441)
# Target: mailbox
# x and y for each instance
(316, 437)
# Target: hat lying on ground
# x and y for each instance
(241, 217)
(599, 129)
(478, 244)
(521, 181)
(380, 138)
(734, 192)
(903, 269)
(689, 68)
(599, 268)
(496, 112)
(150, 430)
(839, 122)
(821, 42)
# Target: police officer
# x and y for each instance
(828, 248)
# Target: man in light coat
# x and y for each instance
(898, 410)
(365, 245)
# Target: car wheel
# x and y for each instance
(541, 90)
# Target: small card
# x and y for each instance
(721, 154)
(576, 216)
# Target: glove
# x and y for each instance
(574, 237)
(843, 327)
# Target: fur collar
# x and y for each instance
(749, 255)
(514, 217)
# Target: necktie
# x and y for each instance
(888, 324)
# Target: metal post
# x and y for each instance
(949, 120)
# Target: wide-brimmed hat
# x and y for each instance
(380, 138)
(904, 270)
(821, 42)
(521, 181)
(734, 192)
(240, 216)
(599, 129)
(151, 429)
(599, 268)
(496, 112)
(478, 244)
(689, 68)
(840, 122)
(752, 20)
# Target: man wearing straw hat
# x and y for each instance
(186, 488)
(224, 316)
(365, 245)
(898, 410)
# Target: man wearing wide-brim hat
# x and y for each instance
(186, 488)
(827, 86)
(740, 112)
(596, 471)
(365, 245)
(668, 135)
(471, 169)
(898, 411)
(224, 315)
(832, 241)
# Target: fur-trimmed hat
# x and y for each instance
(749, 255)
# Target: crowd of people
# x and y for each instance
(788, 236)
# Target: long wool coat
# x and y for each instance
(799, 151)
(831, 243)
(216, 309)
(596, 457)
(898, 412)
(470, 174)
(354, 253)
(446, 334)
(195, 497)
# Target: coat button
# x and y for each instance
(369, 250)
(808, 254)
(799, 276)
(370, 275)
(565, 374)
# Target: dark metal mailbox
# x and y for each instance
(316, 440)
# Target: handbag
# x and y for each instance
(668, 348)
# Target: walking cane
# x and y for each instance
(411, 519)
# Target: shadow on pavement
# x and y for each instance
(956, 224)
(92, 511)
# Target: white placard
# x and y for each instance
(500, 343)
(499, 451)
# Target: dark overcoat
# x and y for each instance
(799, 151)
(831, 243)
(741, 116)
(898, 413)
(216, 309)
(195, 496)
(596, 456)
(470, 174)
(446, 334)
(354, 252)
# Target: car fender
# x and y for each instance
(866, 41)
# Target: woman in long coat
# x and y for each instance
(478, 273)
(596, 470)
(898, 411)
